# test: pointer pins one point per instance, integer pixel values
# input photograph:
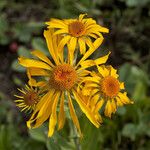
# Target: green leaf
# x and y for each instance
(129, 131)
(51, 144)
(38, 134)
(63, 142)
(3, 3)
(4, 138)
(23, 51)
(17, 67)
(36, 24)
(8, 137)
(22, 32)
(139, 91)
(4, 39)
(121, 111)
(17, 81)
(40, 44)
(81, 7)
(3, 24)
(133, 3)
(141, 128)
(124, 71)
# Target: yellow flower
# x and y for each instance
(77, 32)
(106, 90)
(28, 99)
(61, 78)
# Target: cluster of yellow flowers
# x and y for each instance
(63, 78)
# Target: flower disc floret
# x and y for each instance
(76, 28)
(110, 86)
(63, 77)
(30, 98)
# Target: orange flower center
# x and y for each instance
(76, 28)
(31, 98)
(63, 77)
(110, 86)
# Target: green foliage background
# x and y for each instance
(21, 29)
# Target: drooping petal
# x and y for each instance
(44, 113)
(41, 103)
(61, 116)
(71, 48)
(48, 34)
(85, 109)
(63, 42)
(99, 105)
(73, 43)
(94, 100)
(53, 117)
(82, 45)
(113, 106)
(108, 109)
(73, 115)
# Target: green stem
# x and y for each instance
(76, 138)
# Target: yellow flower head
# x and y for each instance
(61, 78)
(77, 33)
(106, 90)
(28, 99)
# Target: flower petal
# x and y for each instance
(71, 48)
(48, 34)
(61, 116)
(33, 63)
(108, 109)
(89, 43)
(38, 72)
(63, 42)
(81, 16)
(85, 109)
(53, 118)
(61, 31)
(99, 61)
(42, 56)
(56, 23)
(44, 99)
(96, 43)
(82, 45)
(73, 115)
(113, 106)
(99, 105)
(124, 99)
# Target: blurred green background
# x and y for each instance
(21, 29)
